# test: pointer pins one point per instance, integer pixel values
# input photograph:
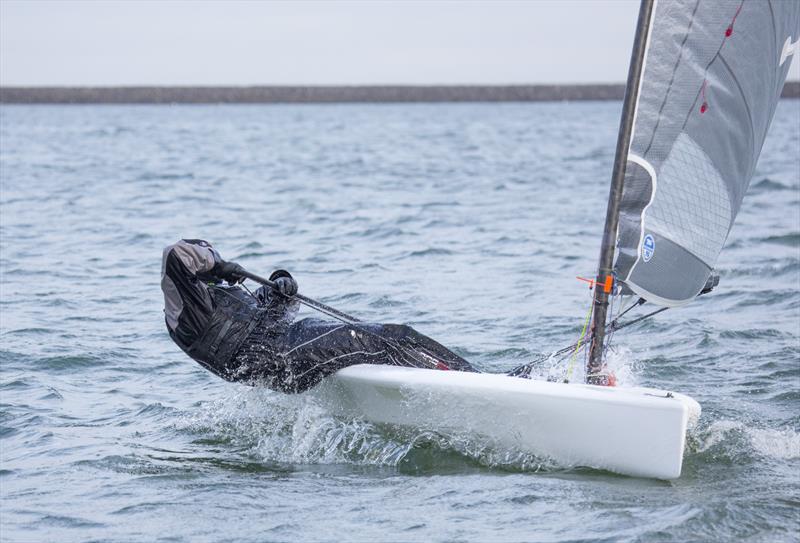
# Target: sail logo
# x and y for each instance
(648, 247)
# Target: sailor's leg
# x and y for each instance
(302, 354)
(315, 349)
(259, 356)
(409, 338)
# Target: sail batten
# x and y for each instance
(712, 76)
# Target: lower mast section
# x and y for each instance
(602, 290)
(604, 282)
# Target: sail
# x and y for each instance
(713, 74)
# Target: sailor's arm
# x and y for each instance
(189, 257)
(186, 297)
(196, 258)
(280, 304)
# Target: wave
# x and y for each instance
(766, 184)
(431, 251)
(300, 430)
(571, 367)
(731, 440)
(789, 240)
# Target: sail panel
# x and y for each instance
(712, 78)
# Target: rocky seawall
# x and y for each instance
(319, 94)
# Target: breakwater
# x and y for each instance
(320, 94)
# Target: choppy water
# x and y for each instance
(468, 221)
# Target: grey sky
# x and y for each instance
(248, 43)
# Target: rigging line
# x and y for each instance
(640, 301)
(616, 319)
(525, 369)
(250, 292)
(323, 308)
(616, 326)
(578, 345)
(611, 327)
(610, 331)
(325, 311)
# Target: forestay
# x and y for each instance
(712, 78)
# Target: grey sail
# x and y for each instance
(713, 74)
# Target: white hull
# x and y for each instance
(632, 431)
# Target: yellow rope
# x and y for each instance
(578, 345)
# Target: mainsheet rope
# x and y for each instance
(525, 369)
(416, 355)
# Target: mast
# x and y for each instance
(604, 281)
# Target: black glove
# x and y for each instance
(286, 286)
(228, 271)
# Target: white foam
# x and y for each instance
(783, 444)
(619, 359)
(297, 429)
(623, 365)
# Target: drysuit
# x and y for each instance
(247, 337)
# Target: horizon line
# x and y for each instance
(345, 93)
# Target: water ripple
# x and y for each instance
(468, 221)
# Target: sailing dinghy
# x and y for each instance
(703, 84)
